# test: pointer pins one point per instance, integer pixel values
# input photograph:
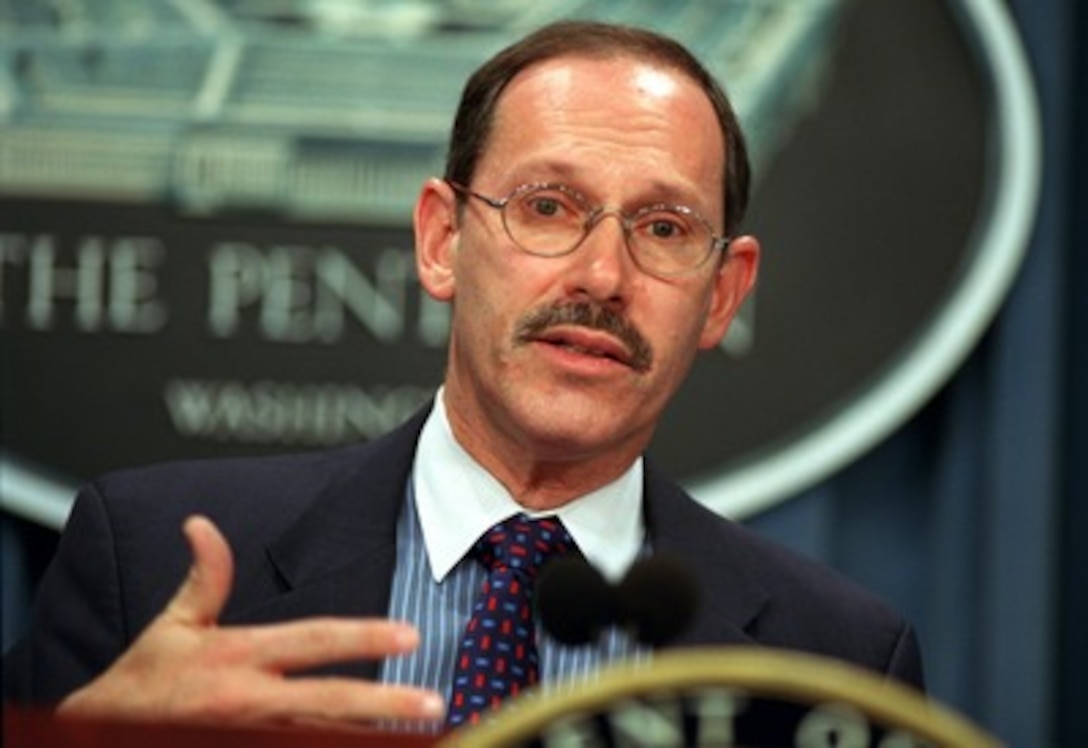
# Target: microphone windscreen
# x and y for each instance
(657, 598)
(574, 600)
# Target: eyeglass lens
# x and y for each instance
(551, 220)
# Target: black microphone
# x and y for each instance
(655, 601)
(657, 598)
(574, 600)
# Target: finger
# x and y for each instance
(349, 700)
(320, 641)
(202, 595)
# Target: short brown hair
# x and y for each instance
(476, 112)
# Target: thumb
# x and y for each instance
(202, 595)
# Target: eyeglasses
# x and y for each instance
(552, 220)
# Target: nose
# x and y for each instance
(602, 267)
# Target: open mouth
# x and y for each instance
(590, 343)
(587, 330)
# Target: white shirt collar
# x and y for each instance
(458, 500)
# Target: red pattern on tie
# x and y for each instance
(498, 656)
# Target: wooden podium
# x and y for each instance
(39, 729)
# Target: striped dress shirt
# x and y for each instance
(440, 610)
(462, 501)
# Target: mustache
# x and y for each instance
(594, 317)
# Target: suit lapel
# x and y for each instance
(338, 558)
(731, 597)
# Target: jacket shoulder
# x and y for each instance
(779, 597)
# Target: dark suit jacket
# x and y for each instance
(314, 534)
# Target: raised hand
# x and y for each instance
(185, 667)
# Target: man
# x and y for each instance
(586, 236)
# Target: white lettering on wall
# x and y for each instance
(104, 284)
(268, 412)
(298, 294)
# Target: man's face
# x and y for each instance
(625, 134)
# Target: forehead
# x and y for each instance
(615, 118)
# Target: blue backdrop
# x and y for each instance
(968, 517)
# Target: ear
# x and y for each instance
(735, 278)
(435, 223)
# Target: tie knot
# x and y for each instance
(523, 544)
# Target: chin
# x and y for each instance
(576, 423)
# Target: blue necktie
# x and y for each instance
(498, 656)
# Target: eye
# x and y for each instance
(664, 229)
(544, 205)
(664, 226)
(549, 203)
